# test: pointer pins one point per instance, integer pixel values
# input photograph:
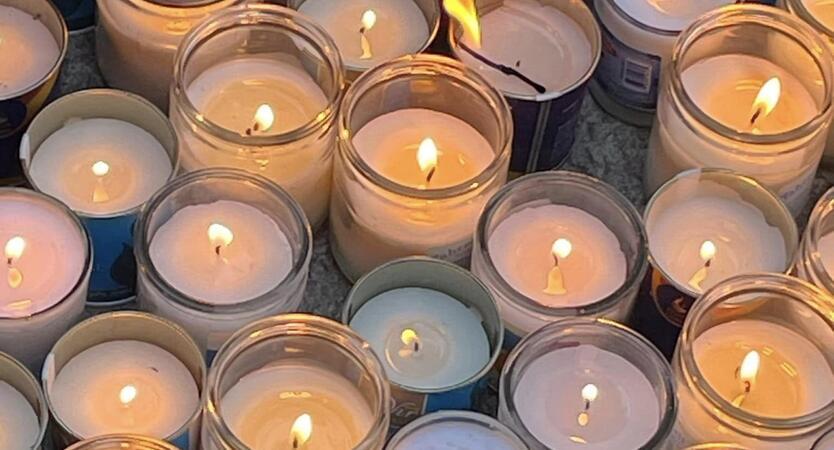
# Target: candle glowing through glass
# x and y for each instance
(13, 251)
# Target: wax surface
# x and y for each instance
(453, 343)
(19, 426)
(258, 258)
(391, 148)
(52, 261)
(455, 436)
(625, 415)
(822, 10)
(229, 94)
(138, 165)
(400, 28)
(726, 86)
(794, 377)
(744, 241)
(539, 41)
(520, 248)
(262, 407)
(672, 15)
(826, 250)
(28, 49)
(86, 392)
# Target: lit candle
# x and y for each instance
(369, 32)
(27, 42)
(19, 425)
(455, 430)
(123, 387)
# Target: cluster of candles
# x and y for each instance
(206, 217)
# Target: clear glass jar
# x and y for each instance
(826, 442)
(772, 314)
(811, 263)
(754, 39)
(304, 340)
(260, 44)
(375, 219)
(522, 314)
(480, 432)
(211, 324)
(136, 41)
(613, 358)
(122, 442)
(21, 380)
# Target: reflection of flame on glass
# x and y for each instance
(560, 249)
(466, 13)
(301, 431)
(767, 99)
(427, 158)
(100, 169)
(368, 22)
(13, 251)
(128, 394)
(707, 253)
(220, 237)
(747, 373)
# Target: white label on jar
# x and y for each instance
(458, 253)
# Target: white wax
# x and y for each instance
(670, 15)
(258, 258)
(400, 28)
(262, 406)
(52, 261)
(744, 241)
(458, 435)
(453, 345)
(138, 165)
(540, 41)
(825, 247)
(19, 427)
(520, 248)
(87, 392)
(28, 49)
(625, 414)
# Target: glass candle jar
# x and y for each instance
(219, 248)
(257, 87)
(456, 429)
(301, 377)
(46, 273)
(754, 365)
(136, 41)
(22, 406)
(122, 442)
(749, 89)
(826, 442)
(515, 251)
(816, 254)
(705, 226)
(424, 142)
(581, 382)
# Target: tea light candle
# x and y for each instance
(223, 252)
(25, 40)
(294, 405)
(123, 387)
(425, 338)
(368, 32)
(19, 425)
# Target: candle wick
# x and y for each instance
(295, 443)
(755, 116)
(430, 175)
(587, 405)
(506, 70)
(555, 260)
(217, 249)
(416, 346)
(10, 261)
(747, 386)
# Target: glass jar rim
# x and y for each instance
(813, 233)
(84, 235)
(63, 46)
(641, 25)
(178, 4)
(516, 297)
(298, 324)
(617, 330)
(799, 8)
(112, 441)
(470, 417)
(251, 14)
(43, 408)
(792, 239)
(775, 19)
(424, 64)
(787, 286)
(144, 238)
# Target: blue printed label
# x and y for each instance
(628, 75)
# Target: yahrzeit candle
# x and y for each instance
(424, 143)
(23, 412)
(816, 258)
(559, 244)
(46, 273)
(136, 41)
(435, 327)
(33, 42)
(103, 153)
(370, 32)
(266, 105)
(219, 248)
(125, 372)
(587, 384)
(122, 442)
(455, 430)
(705, 226)
(749, 89)
(753, 365)
(296, 382)
(540, 55)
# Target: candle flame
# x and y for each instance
(708, 250)
(466, 13)
(14, 248)
(100, 168)
(561, 248)
(749, 367)
(590, 392)
(301, 430)
(264, 118)
(220, 236)
(427, 157)
(409, 337)
(368, 20)
(767, 99)
(128, 394)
